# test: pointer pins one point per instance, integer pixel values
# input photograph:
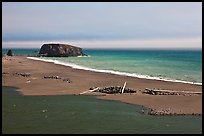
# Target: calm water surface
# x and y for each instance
(85, 114)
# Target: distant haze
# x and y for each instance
(103, 24)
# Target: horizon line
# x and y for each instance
(119, 48)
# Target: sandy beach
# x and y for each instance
(82, 80)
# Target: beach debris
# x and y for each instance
(23, 74)
(169, 112)
(67, 80)
(123, 87)
(5, 73)
(52, 77)
(90, 90)
(44, 110)
(145, 111)
(113, 90)
(170, 92)
(28, 81)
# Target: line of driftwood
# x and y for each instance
(170, 92)
(168, 112)
(118, 89)
(57, 77)
(111, 90)
(45, 77)
(52, 77)
(23, 74)
(92, 90)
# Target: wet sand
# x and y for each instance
(82, 80)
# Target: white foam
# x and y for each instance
(84, 56)
(75, 66)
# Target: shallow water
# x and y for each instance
(185, 65)
(85, 114)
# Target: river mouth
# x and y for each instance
(79, 114)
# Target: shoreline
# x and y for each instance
(82, 80)
(75, 66)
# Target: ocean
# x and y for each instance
(170, 65)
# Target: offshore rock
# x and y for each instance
(10, 53)
(60, 50)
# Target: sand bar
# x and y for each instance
(82, 80)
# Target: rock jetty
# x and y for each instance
(60, 50)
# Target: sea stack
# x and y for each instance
(9, 53)
(60, 50)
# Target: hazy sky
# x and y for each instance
(98, 25)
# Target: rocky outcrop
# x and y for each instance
(60, 50)
(10, 53)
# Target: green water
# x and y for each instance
(85, 114)
(182, 65)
